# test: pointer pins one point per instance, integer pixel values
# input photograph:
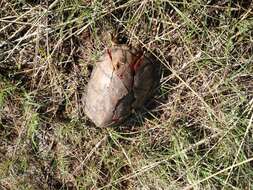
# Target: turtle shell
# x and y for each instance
(122, 80)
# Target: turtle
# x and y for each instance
(122, 80)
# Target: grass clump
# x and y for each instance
(196, 133)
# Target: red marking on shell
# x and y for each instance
(114, 119)
(109, 52)
(132, 68)
(121, 76)
(136, 63)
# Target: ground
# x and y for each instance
(195, 133)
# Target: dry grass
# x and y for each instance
(196, 133)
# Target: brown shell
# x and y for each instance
(122, 80)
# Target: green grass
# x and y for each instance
(196, 133)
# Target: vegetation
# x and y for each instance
(196, 133)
